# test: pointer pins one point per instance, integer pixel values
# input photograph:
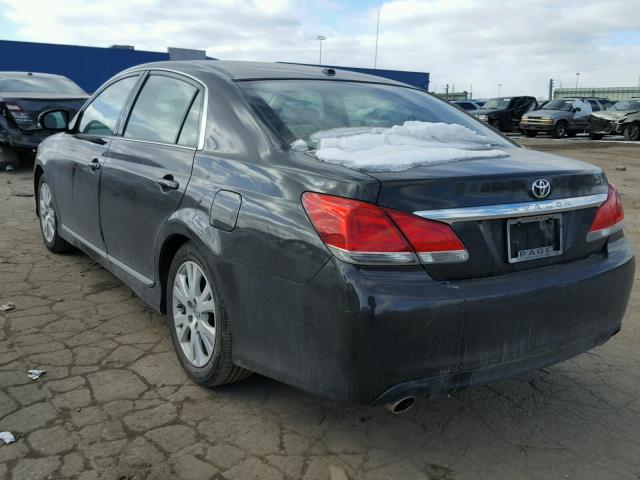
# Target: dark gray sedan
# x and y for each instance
(342, 233)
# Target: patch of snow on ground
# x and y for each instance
(401, 147)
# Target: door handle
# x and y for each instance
(94, 164)
(168, 183)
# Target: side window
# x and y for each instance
(102, 114)
(189, 133)
(160, 109)
(594, 105)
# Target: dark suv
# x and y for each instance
(343, 233)
(504, 113)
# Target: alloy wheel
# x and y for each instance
(47, 213)
(194, 313)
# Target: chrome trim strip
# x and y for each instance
(506, 210)
(148, 282)
(374, 258)
(154, 143)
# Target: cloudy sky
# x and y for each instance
(461, 42)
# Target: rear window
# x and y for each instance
(296, 109)
(34, 84)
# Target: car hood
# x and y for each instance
(485, 111)
(547, 113)
(613, 115)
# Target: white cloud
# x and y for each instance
(520, 45)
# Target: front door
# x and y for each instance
(147, 170)
(77, 176)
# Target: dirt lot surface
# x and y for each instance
(114, 403)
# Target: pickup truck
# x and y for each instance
(560, 117)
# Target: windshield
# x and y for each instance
(497, 104)
(297, 109)
(28, 84)
(625, 105)
(565, 105)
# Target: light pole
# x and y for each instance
(499, 88)
(320, 39)
(375, 58)
(577, 77)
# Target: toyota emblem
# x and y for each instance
(541, 188)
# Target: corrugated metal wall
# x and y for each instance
(612, 93)
(89, 67)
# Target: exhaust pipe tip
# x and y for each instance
(401, 405)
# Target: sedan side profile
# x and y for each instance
(342, 233)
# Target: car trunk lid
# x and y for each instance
(24, 108)
(496, 191)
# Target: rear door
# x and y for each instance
(148, 168)
(76, 175)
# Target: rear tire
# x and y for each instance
(560, 130)
(632, 132)
(596, 136)
(529, 133)
(198, 321)
(48, 219)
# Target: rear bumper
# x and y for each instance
(373, 335)
(21, 139)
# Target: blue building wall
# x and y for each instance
(415, 79)
(89, 67)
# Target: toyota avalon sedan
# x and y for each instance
(346, 234)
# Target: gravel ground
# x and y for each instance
(114, 403)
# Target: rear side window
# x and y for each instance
(189, 133)
(102, 114)
(160, 109)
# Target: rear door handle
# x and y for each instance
(94, 164)
(168, 183)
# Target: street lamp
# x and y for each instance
(577, 77)
(499, 88)
(320, 39)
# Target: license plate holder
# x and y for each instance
(533, 238)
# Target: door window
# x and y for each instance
(102, 114)
(160, 109)
(189, 133)
(594, 105)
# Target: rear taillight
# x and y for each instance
(363, 233)
(21, 117)
(609, 217)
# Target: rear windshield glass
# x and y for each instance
(565, 105)
(296, 109)
(40, 85)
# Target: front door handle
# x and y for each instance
(94, 164)
(168, 183)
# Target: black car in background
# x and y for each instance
(24, 96)
(504, 113)
(623, 117)
(343, 233)
(468, 105)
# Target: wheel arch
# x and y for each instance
(38, 171)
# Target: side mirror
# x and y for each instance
(55, 120)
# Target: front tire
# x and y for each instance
(632, 132)
(49, 219)
(198, 320)
(560, 130)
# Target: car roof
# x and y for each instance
(29, 74)
(239, 71)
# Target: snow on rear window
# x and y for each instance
(401, 147)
